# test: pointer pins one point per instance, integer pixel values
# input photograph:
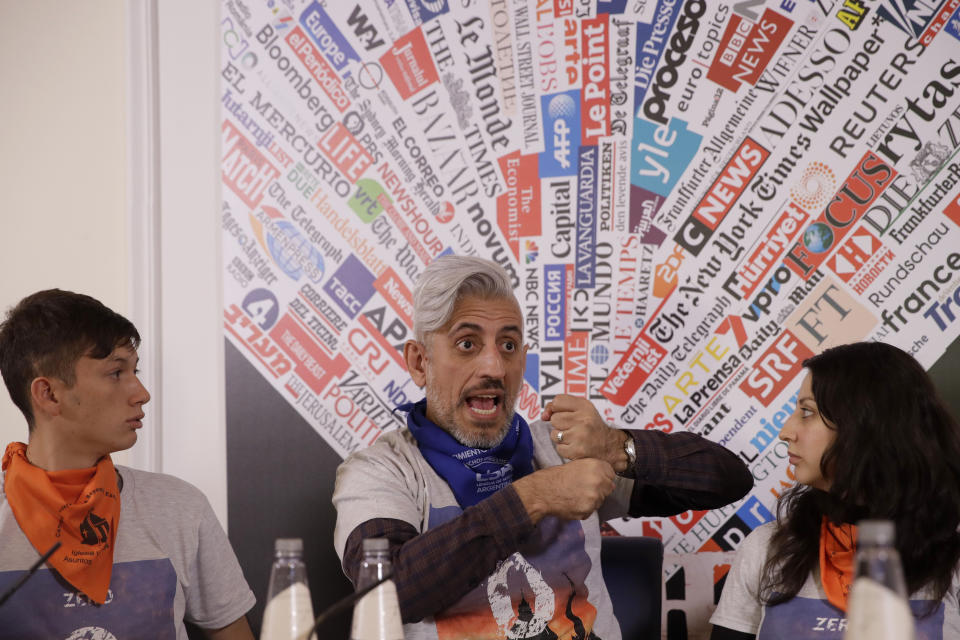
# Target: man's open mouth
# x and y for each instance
(483, 404)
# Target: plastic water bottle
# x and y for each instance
(289, 611)
(878, 608)
(377, 615)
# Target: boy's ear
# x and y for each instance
(45, 395)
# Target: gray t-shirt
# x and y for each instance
(808, 615)
(172, 562)
(554, 582)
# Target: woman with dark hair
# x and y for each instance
(869, 439)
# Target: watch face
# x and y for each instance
(629, 447)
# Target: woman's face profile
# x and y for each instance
(808, 436)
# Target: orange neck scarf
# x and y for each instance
(838, 544)
(79, 508)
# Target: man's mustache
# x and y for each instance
(490, 384)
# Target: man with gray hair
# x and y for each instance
(492, 533)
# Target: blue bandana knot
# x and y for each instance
(473, 474)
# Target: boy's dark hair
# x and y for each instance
(48, 331)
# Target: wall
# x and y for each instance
(107, 165)
(62, 170)
(193, 440)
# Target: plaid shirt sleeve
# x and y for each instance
(676, 472)
(434, 569)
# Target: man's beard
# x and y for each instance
(447, 419)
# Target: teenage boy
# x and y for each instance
(139, 552)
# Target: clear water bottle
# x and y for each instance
(878, 607)
(377, 615)
(289, 611)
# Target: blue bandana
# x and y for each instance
(473, 474)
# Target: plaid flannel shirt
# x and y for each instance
(435, 568)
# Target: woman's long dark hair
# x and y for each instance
(896, 456)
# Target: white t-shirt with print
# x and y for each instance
(172, 562)
(808, 615)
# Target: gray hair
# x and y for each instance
(448, 279)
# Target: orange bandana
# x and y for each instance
(85, 523)
(838, 544)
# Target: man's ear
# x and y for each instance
(415, 355)
(45, 395)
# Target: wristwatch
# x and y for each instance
(630, 449)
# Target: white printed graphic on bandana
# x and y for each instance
(494, 480)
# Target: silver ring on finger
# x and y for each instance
(559, 437)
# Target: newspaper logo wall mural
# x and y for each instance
(689, 197)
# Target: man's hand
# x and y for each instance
(584, 433)
(571, 491)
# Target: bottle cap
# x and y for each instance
(876, 532)
(376, 544)
(289, 545)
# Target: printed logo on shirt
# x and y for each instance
(91, 633)
(141, 608)
(805, 618)
(538, 593)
